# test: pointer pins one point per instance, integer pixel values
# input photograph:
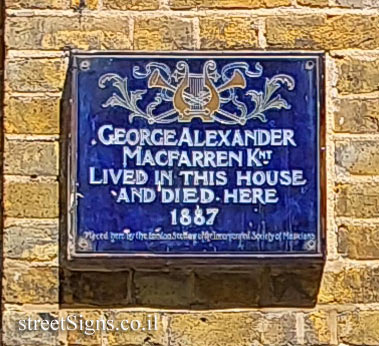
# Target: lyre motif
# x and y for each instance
(196, 96)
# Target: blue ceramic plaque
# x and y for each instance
(190, 155)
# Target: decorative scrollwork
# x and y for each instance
(128, 99)
(265, 101)
(201, 95)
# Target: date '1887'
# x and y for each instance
(198, 217)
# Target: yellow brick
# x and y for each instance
(89, 4)
(343, 286)
(29, 32)
(31, 199)
(24, 75)
(372, 290)
(359, 241)
(358, 3)
(317, 328)
(228, 33)
(30, 157)
(358, 75)
(14, 336)
(40, 4)
(313, 3)
(349, 285)
(154, 337)
(59, 32)
(360, 200)
(32, 240)
(357, 157)
(163, 34)
(185, 4)
(25, 284)
(131, 5)
(110, 32)
(323, 32)
(77, 337)
(212, 328)
(359, 328)
(31, 115)
(357, 116)
(278, 329)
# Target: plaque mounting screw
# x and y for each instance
(85, 65)
(84, 244)
(309, 65)
(310, 245)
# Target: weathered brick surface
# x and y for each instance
(359, 200)
(31, 199)
(323, 32)
(349, 285)
(372, 291)
(206, 289)
(31, 115)
(30, 157)
(26, 284)
(278, 329)
(359, 328)
(131, 5)
(243, 329)
(228, 289)
(228, 33)
(157, 337)
(30, 75)
(357, 116)
(358, 3)
(93, 288)
(13, 336)
(284, 285)
(358, 75)
(78, 337)
(32, 240)
(359, 241)
(313, 3)
(208, 329)
(343, 286)
(317, 328)
(159, 289)
(37, 4)
(163, 33)
(59, 32)
(357, 157)
(230, 4)
(84, 4)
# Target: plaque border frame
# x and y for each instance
(70, 143)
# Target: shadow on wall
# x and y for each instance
(284, 283)
(201, 288)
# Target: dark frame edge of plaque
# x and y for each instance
(92, 261)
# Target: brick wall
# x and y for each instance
(2, 53)
(347, 310)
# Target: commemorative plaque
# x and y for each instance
(212, 155)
